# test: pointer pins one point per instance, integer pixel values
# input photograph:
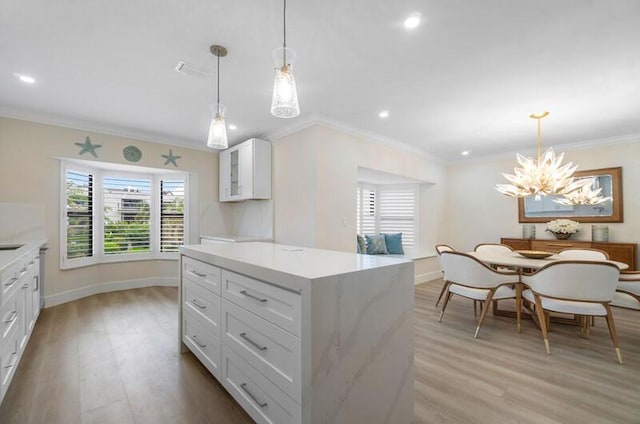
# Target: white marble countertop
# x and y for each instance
(7, 257)
(287, 266)
(232, 238)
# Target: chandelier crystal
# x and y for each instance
(284, 103)
(542, 176)
(217, 128)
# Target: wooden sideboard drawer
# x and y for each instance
(262, 400)
(201, 301)
(276, 305)
(558, 245)
(208, 276)
(203, 340)
(517, 244)
(621, 252)
(268, 348)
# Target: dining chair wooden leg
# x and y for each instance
(475, 308)
(485, 307)
(447, 296)
(543, 323)
(519, 306)
(444, 289)
(612, 332)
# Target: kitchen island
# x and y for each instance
(302, 335)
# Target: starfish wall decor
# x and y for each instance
(88, 147)
(170, 158)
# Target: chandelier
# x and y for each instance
(587, 195)
(542, 176)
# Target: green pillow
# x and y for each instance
(394, 243)
(362, 246)
(376, 245)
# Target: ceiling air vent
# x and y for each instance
(191, 69)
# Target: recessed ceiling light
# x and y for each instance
(412, 21)
(232, 127)
(465, 152)
(25, 78)
(384, 114)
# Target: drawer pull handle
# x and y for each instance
(256, 345)
(195, 339)
(23, 269)
(198, 304)
(25, 286)
(259, 299)
(13, 317)
(193, 271)
(31, 263)
(11, 281)
(37, 287)
(243, 386)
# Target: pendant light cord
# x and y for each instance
(539, 140)
(218, 101)
(284, 27)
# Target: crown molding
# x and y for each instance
(102, 128)
(579, 145)
(315, 119)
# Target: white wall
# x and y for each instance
(478, 213)
(315, 180)
(29, 180)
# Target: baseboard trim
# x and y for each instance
(429, 276)
(110, 286)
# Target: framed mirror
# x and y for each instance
(544, 209)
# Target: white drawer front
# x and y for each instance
(9, 356)
(206, 275)
(201, 301)
(9, 282)
(203, 340)
(9, 314)
(274, 304)
(258, 396)
(268, 348)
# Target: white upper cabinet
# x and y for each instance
(245, 171)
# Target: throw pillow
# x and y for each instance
(376, 245)
(394, 243)
(362, 246)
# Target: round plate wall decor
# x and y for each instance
(132, 153)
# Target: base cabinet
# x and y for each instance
(621, 252)
(19, 310)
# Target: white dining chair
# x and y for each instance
(493, 248)
(583, 288)
(584, 253)
(439, 249)
(466, 276)
(627, 293)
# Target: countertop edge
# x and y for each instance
(7, 258)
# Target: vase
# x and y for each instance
(562, 236)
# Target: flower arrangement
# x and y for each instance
(563, 228)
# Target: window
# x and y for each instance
(388, 209)
(112, 215)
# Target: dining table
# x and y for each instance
(519, 263)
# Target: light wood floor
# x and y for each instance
(112, 358)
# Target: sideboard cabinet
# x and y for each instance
(621, 252)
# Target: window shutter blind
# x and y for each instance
(171, 215)
(368, 211)
(79, 195)
(397, 210)
(127, 215)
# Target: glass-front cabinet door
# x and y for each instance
(233, 169)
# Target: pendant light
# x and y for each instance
(218, 128)
(284, 103)
(542, 176)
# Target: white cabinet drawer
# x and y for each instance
(203, 339)
(206, 275)
(274, 304)
(258, 396)
(9, 356)
(9, 281)
(201, 301)
(268, 348)
(9, 316)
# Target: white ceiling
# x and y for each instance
(466, 79)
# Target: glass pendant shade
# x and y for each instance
(284, 103)
(217, 128)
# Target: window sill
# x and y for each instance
(174, 256)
